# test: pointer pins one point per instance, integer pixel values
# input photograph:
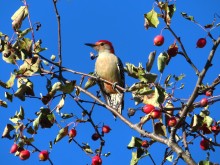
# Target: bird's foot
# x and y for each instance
(114, 85)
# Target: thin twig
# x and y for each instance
(59, 36)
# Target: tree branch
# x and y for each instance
(196, 89)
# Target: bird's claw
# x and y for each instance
(114, 85)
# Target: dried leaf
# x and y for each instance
(188, 17)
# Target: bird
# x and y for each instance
(109, 67)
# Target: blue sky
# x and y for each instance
(122, 24)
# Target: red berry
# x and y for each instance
(95, 136)
(155, 114)
(43, 155)
(148, 108)
(96, 160)
(215, 129)
(204, 102)
(24, 155)
(201, 43)
(158, 40)
(172, 50)
(72, 133)
(14, 148)
(204, 144)
(145, 144)
(106, 129)
(171, 121)
(208, 93)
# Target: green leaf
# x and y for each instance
(167, 80)
(21, 113)
(66, 116)
(8, 96)
(188, 17)
(196, 122)
(151, 19)
(62, 133)
(136, 156)
(30, 130)
(36, 122)
(161, 61)
(131, 70)
(134, 142)
(180, 77)
(18, 17)
(160, 129)
(150, 61)
(60, 104)
(10, 82)
(21, 34)
(69, 86)
(38, 48)
(205, 162)
(30, 66)
(90, 82)
(137, 99)
(159, 94)
(25, 87)
(208, 120)
(3, 104)
(87, 149)
(7, 130)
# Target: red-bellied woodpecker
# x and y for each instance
(109, 67)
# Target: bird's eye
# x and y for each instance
(102, 44)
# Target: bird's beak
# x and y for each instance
(91, 45)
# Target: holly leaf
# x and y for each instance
(151, 19)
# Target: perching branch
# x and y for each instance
(174, 146)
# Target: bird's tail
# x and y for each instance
(116, 101)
